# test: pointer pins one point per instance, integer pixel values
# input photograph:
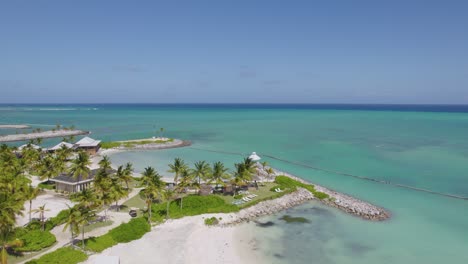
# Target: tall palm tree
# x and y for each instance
(72, 221)
(41, 211)
(264, 165)
(117, 192)
(125, 174)
(270, 172)
(186, 181)
(30, 194)
(219, 174)
(153, 188)
(85, 216)
(79, 166)
(201, 171)
(177, 168)
(168, 196)
(63, 153)
(87, 198)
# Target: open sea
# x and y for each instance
(419, 146)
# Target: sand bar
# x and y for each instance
(44, 134)
(14, 126)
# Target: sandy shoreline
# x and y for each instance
(187, 240)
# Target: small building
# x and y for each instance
(20, 148)
(61, 145)
(89, 145)
(66, 182)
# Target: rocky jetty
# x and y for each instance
(345, 202)
(44, 134)
(269, 207)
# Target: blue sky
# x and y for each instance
(234, 51)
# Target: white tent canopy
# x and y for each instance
(254, 157)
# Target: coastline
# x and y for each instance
(14, 126)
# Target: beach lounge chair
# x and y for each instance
(246, 199)
(278, 190)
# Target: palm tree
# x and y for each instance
(201, 171)
(72, 221)
(264, 165)
(219, 174)
(30, 194)
(85, 216)
(105, 163)
(63, 153)
(117, 192)
(124, 174)
(79, 166)
(48, 168)
(270, 172)
(168, 196)
(87, 198)
(161, 131)
(41, 211)
(183, 184)
(153, 185)
(178, 167)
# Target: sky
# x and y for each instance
(379, 52)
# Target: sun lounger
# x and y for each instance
(278, 190)
(246, 199)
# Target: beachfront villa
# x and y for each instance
(66, 182)
(89, 145)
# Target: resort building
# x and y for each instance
(89, 145)
(68, 183)
(20, 148)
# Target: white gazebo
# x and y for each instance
(254, 157)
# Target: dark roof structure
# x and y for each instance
(70, 179)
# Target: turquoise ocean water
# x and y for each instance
(402, 145)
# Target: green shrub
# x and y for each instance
(107, 145)
(321, 195)
(239, 196)
(124, 233)
(98, 244)
(193, 205)
(132, 230)
(61, 255)
(211, 221)
(35, 240)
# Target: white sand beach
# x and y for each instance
(187, 240)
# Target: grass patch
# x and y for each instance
(124, 233)
(134, 202)
(290, 184)
(96, 225)
(62, 255)
(193, 205)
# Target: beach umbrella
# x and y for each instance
(254, 157)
